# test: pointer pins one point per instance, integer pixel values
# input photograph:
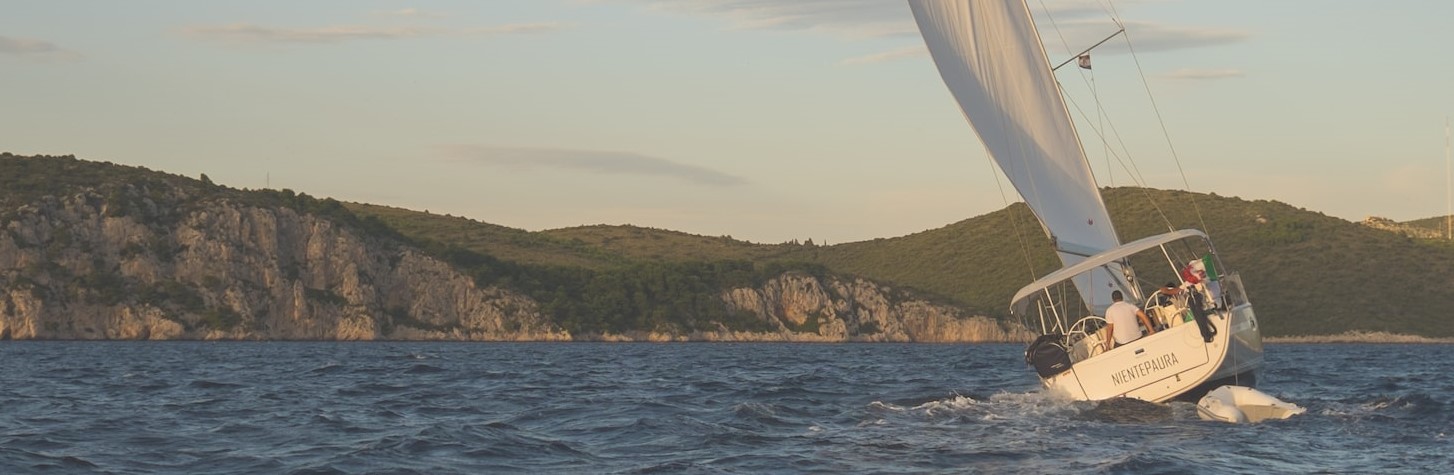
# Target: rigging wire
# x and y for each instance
(1034, 189)
(1009, 210)
(1131, 169)
(1091, 83)
(1164, 132)
(1100, 123)
(1014, 225)
(1010, 214)
(1068, 51)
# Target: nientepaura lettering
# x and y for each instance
(1144, 368)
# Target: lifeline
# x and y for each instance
(1165, 361)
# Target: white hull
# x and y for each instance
(1172, 363)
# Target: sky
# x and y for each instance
(764, 120)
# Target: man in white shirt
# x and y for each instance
(1121, 322)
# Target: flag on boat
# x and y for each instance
(1083, 61)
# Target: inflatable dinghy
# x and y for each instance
(1237, 404)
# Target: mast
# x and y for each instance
(1448, 187)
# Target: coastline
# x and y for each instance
(1357, 337)
(1354, 337)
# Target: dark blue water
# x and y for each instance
(194, 407)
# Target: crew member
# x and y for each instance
(1121, 322)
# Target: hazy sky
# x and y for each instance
(767, 120)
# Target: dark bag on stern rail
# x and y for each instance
(1048, 355)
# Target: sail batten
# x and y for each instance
(990, 56)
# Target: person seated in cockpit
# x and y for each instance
(1167, 294)
(1167, 311)
(1121, 322)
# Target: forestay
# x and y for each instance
(989, 54)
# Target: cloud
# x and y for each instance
(516, 28)
(1149, 37)
(247, 33)
(855, 18)
(1145, 37)
(852, 18)
(1081, 22)
(408, 12)
(1161, 37)
(596, 161)
(1194, 74)
(908, 52)
(35, 49)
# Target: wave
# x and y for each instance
(424, 369)
(1001, 404)
(1358, 336)
(316, 408)
(331, 367)
(1124, 410)
(205, 384)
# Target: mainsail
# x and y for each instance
(989, 54)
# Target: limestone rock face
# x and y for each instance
(123, 267)
(152, 262)
(1378, 222)
(806, 308)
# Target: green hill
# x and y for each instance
(662, 245)
(1309, 273)
(504, 243)
(1306, 272)
(977, 263)
(1435, 228)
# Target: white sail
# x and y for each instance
(989, 54)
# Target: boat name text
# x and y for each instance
(1144, 368)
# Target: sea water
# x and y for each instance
(295, 407)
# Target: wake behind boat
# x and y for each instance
(990, 56)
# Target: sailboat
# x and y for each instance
(990, 56)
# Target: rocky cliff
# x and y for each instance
(806, 308)
(124, 263)
(1379, 222)
(155, 256)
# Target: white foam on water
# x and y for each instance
(1003, 405)
(952, 405)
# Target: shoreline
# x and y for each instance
(1358, 337)
(1355, 337)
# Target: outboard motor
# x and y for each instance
(1048, 355)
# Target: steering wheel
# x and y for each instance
(1080, 327)
(1151, 301)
